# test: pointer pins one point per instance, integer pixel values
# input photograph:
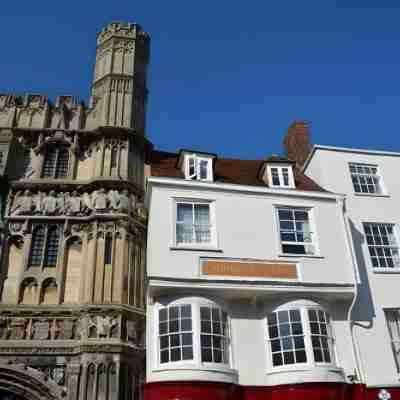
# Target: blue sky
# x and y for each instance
(227, 76)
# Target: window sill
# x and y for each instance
(317, 256)
(195, 367)
(386, 270)
(371, 195)
(304, 368)
(193, 247)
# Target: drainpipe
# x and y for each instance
(354, 347)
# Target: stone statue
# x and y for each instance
(124, 204)
(105, 325)
(60, 203)
(74, 204)
(87, 202)
(100, 200)
(120, 201)
(24, 203)
(18, 328)
(49, 204)
(113, 198)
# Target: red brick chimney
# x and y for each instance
(297, 142)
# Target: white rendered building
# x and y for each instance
(250, 281)
(370, 181)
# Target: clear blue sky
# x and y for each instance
(227, 76)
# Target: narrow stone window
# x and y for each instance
(108, 250)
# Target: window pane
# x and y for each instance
(382, 243)
(365, 178)
(295, 231)
(185, 213)
(52, 242)
(287, 347)
(320, 335)
(175, 345)
(213, 339)
(37, 246)
(49, 162)
(62, 163)
(203, 169)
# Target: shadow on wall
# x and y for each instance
(363, 311)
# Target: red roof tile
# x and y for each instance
(227, 170)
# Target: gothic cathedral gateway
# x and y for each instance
(72, 280)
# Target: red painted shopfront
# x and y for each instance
(305, 391)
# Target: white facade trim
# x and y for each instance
(174, 182)
(254, 286)
(347, 150)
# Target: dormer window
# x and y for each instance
(198, 168)
(278, 174)
(196, 165)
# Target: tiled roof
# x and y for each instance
(227, 170)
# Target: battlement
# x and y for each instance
(37, 111)
(121, 30)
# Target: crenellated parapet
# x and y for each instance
(37, 112)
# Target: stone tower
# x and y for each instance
(119, 92)
(72, 278)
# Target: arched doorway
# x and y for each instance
(20, 382)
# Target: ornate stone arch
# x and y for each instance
(28, 284)
(28, 383)
(48, 291)
(57, 140)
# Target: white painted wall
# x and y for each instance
(376, 290)
(247, 228)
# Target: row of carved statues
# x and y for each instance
(88, 327)
(71, 203)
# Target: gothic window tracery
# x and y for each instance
(44, 246)
(56, 161)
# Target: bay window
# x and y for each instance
(299, 335)
(194, 331)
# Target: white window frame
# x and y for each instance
(303, 308)
(396, 236)
(197, 160)
(313, 231)
(378, 174)
(196, 303)
(280, 168)
(212, 221)
(394, 342)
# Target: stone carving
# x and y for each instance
(41, 330)
(132, 331)
(58, 375)
(67, 330)
(3, 328)
(49, 203)
(17, 328)
(100, 200)
(24, 203)
(102, 326)
(72, 204)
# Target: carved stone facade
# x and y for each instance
(72, 277)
